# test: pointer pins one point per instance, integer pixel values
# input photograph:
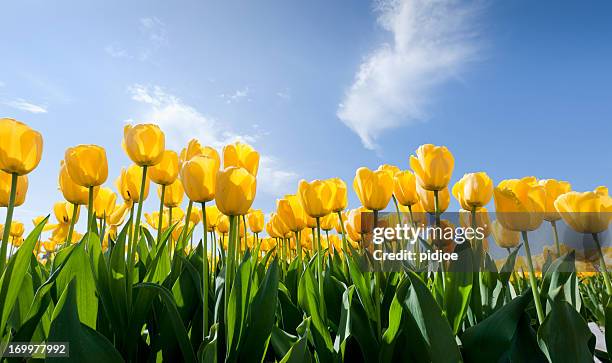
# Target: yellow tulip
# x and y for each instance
(340, 195)
(194, 148)
(473, 191)
(166, 171)
(5, 189)
(212, 216)
(17, 229)
(153, 220)
(72, 192)
(553, 189)
(316, 197)
(118, 215)
(87, 165)
(279, 228)
(404, 188)
(222, 224)
(355, 219)
(241, 155)
(374, 188)
(391, 169)
(236, 189)
(173, 195)
(63, 212)
(196, 216)
(327, 222)
(482, 220)
(427, 200)
(292, 213)
(38, 220)
(519, 204)
(339, 222)
(433, 166)
(256, 221)
(129, 182)
(587, 212)
(504, 237)
(21, 147)
(144, 144)
(199, 178)
(104, 203)
(49, 245)
(602, 190)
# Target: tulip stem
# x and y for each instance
(160, 219)
(602, 262)
(185, 231)
(72, 222)
(556, 237)
(7, 223)
(205, 277)
(298, 247)
(229, 273)
(532, 280)
(90, 210)
(139, 209)
(320, 265)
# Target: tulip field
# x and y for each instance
(205, 277)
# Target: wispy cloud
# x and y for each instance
(432, 42)
(182, 122)
(24, 105)
(236, 95)
(117, 52)
(284, 94)
(155, 35)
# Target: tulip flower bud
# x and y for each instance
(63, 212)
(236, 189)
(17, 230)
(222, 224)
(553, 189)
(199, 178)
(5, 189)
(104, 203)
(256, 221)
(519, 204)
(87, 165)
(21, 147)
(374, 188)
(428, 202)
(194, 148)
(327, 222)
(340, 195)
(587, 212)
(241, 155)
(212, 216)
(504, 237)
(316, 197)
(129, 182)
(173, 195)
(391, 169)
(473, 191)
(292, 213)
(404, 188)
(166, 171)
(72, 192)
(433, 166)
(144, 144)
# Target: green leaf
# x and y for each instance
(86, 345)
(298, 353)
(237, 309)
(458, 287)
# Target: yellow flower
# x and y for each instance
(222, 224)
(519, 204)
(602, 190)
(504, 238)
(5, 189)
(391, 169)
(129, 182)
(21, 147)
(104, 203)
(553, 189)
(195, 149)
(173, 195)
(153, 220)
(404, 188)
(339, 222)
(199, 178)
(166, 171)
(236, 189)
(38, 220)
(587, 212)
(433, 166)
(17, 229)
(63, 212)
(482, 220)
(119, 214)
(196, 216)
(340, 196)
(428, 201)
(49, 245)
(241, 155)
(354, 222)
(316, 197)
(292, 213)
(374, 188)
(279, 228)
(87, 165)
(72, 192)
(144, 144)
(473, 191)
(327, 222)
(256, 221)
(212, 216)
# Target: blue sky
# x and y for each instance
(319, 88)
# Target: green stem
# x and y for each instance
(7, 223)
(160, 219)
(205, 277)
(139, 209)
(556, 237)
(185, 231)
(71, 228)
(320, 265)
(602, 262)
(229, 272)
(532, 281)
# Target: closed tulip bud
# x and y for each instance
(241, 155)
(104, 203)
(256, 221)
(391, 169)
(199, 178)
(144, 144)
(129, 182)
(433, 166)
(354, 221)
(194, 148)
(279, 228)
(212, 216)
(428, 202)
(310, 222)
(339, 222)
(173, 195)
(196, 216)
(292, 213)
(483, 221)
(63, 212)
(316, 197)
(17, 229)
(351, 233)
(87, 165)
(166, 171)
(223, 224)
(504, 237)
(72, 192)
(519, 204)
(553, 189)
(587, 212)
(5, 189)
(327, 222)
(473, 191)
(374, 188)
(236, 189)
(21, 147)
(404, 188)
(340, 195)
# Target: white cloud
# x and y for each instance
(155, 37)
(182, 122)
(117, 52)
(26, 106)
(236, 96)
(154, 29)
(285, 94)
(432, 42)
